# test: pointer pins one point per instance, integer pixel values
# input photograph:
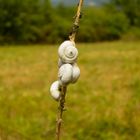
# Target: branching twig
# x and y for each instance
(64, 89)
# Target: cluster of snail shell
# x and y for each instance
(68, 72)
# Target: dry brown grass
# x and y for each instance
(103, 105)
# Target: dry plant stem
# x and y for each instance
(61, 108)
(76, 22)
(64, 88)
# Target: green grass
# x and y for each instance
(103, 105)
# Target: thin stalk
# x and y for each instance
(76, 22)
(61, 107)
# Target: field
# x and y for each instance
(103, 105)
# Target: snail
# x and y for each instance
(60, 63)
(65, 74)
(75, 74)
(68, 53)
(68, 74)
(55, 90)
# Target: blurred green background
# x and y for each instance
(43, 21)
(104, 104)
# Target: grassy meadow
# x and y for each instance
(103, 105)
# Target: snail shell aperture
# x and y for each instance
(65, 74)
(55, 90)
(67, 51)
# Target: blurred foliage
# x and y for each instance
(130, 8)
(100, 24)
(37, 21)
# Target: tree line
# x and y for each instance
(37, 21)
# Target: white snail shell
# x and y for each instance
(75, 74)
(55, 90)
(60, 63)
(68, 74)
(65, 74)
(67, 51)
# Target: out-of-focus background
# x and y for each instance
(104, 104)
(45, 21)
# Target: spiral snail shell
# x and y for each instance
(65, 74)
(55, 90)
(75, 74)
(68, 53)
(68, 74)
(60, 63)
